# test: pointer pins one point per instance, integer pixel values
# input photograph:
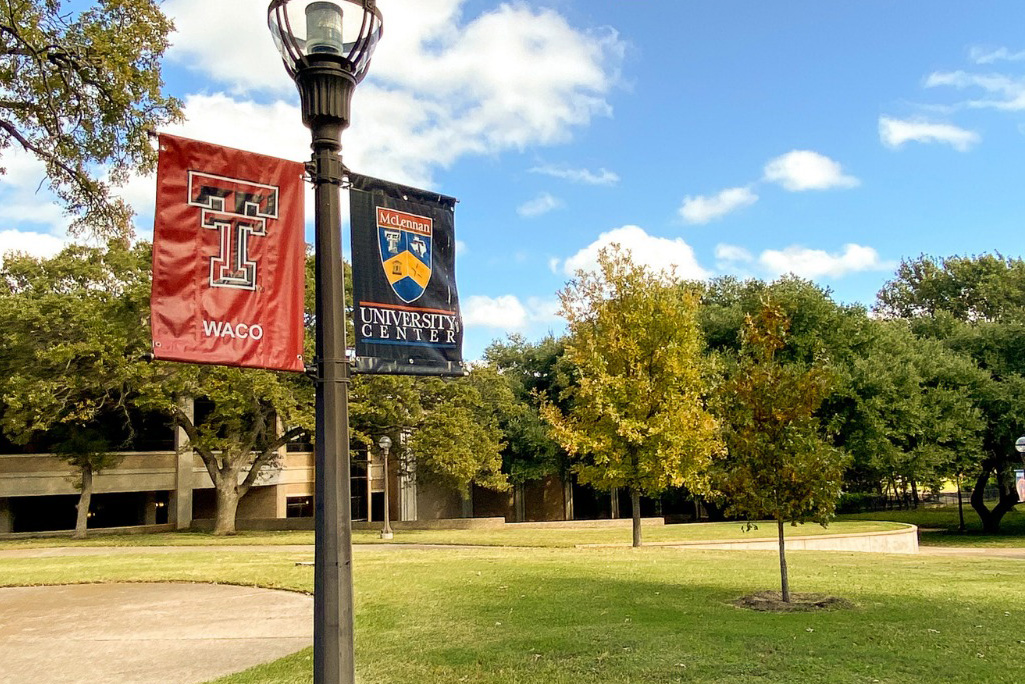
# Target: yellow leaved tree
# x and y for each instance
(635, 416)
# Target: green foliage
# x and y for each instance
(73, 333)
(80, 92)
(975, 306)
(979, 288)
(531, 370)
(913, 418)
(71, 341)
(777, 465)
(636, 415)
(459, 439)
(818, 325)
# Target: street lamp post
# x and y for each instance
(385, 445)
(327, 54)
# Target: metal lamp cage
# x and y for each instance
(355, 51)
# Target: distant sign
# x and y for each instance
(1020, 445)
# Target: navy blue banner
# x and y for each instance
(406, 308)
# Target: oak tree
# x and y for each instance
(79, 90)
(975, 306)
(71, 342)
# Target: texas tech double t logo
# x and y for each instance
(239, 210)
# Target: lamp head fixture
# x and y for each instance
(384, 443)
(306, 32)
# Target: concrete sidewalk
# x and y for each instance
(145, 633)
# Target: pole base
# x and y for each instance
(387, 535)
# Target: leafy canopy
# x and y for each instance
(79, 91)
(636, 415)
(777, 464)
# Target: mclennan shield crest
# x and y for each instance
(405, 242)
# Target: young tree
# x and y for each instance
(80, 91)
(71, 341)
(776, 465)
(636, 417)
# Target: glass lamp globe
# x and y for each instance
(344, 31)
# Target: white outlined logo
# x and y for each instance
(238, 210)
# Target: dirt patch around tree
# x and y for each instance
(772, 602)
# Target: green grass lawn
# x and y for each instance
(939, 526)
(564, 616)
(548, 537)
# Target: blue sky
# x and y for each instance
(829, 139)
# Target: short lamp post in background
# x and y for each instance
(385, 444)
(327, 52)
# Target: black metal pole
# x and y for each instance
(326, 88)
(386, 532)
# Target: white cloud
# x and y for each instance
(25, 197)
(542, 204)
(1007, 93)
(585, 176)
(702, 209)
(895, 132)
(508, 313)
(33, 244)
(543, 310)
(983, 55)
(814, 263)
(725, 252)
(440, 87)
(801, 170)
(655, 252)
(504, 312)
(247, 60)
(734, 260)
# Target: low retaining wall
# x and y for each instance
(584, 524)
(890, 541)
(92, 532)
(442, 524)
(496, 523)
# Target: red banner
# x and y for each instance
(228, 257)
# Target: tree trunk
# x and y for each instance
(227, 507)
(784, 578)
(635, 505)
(1008, 498)
(84, 499)
(914, 493)
(960, 506)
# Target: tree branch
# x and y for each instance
(267, 456)
(183, 421)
